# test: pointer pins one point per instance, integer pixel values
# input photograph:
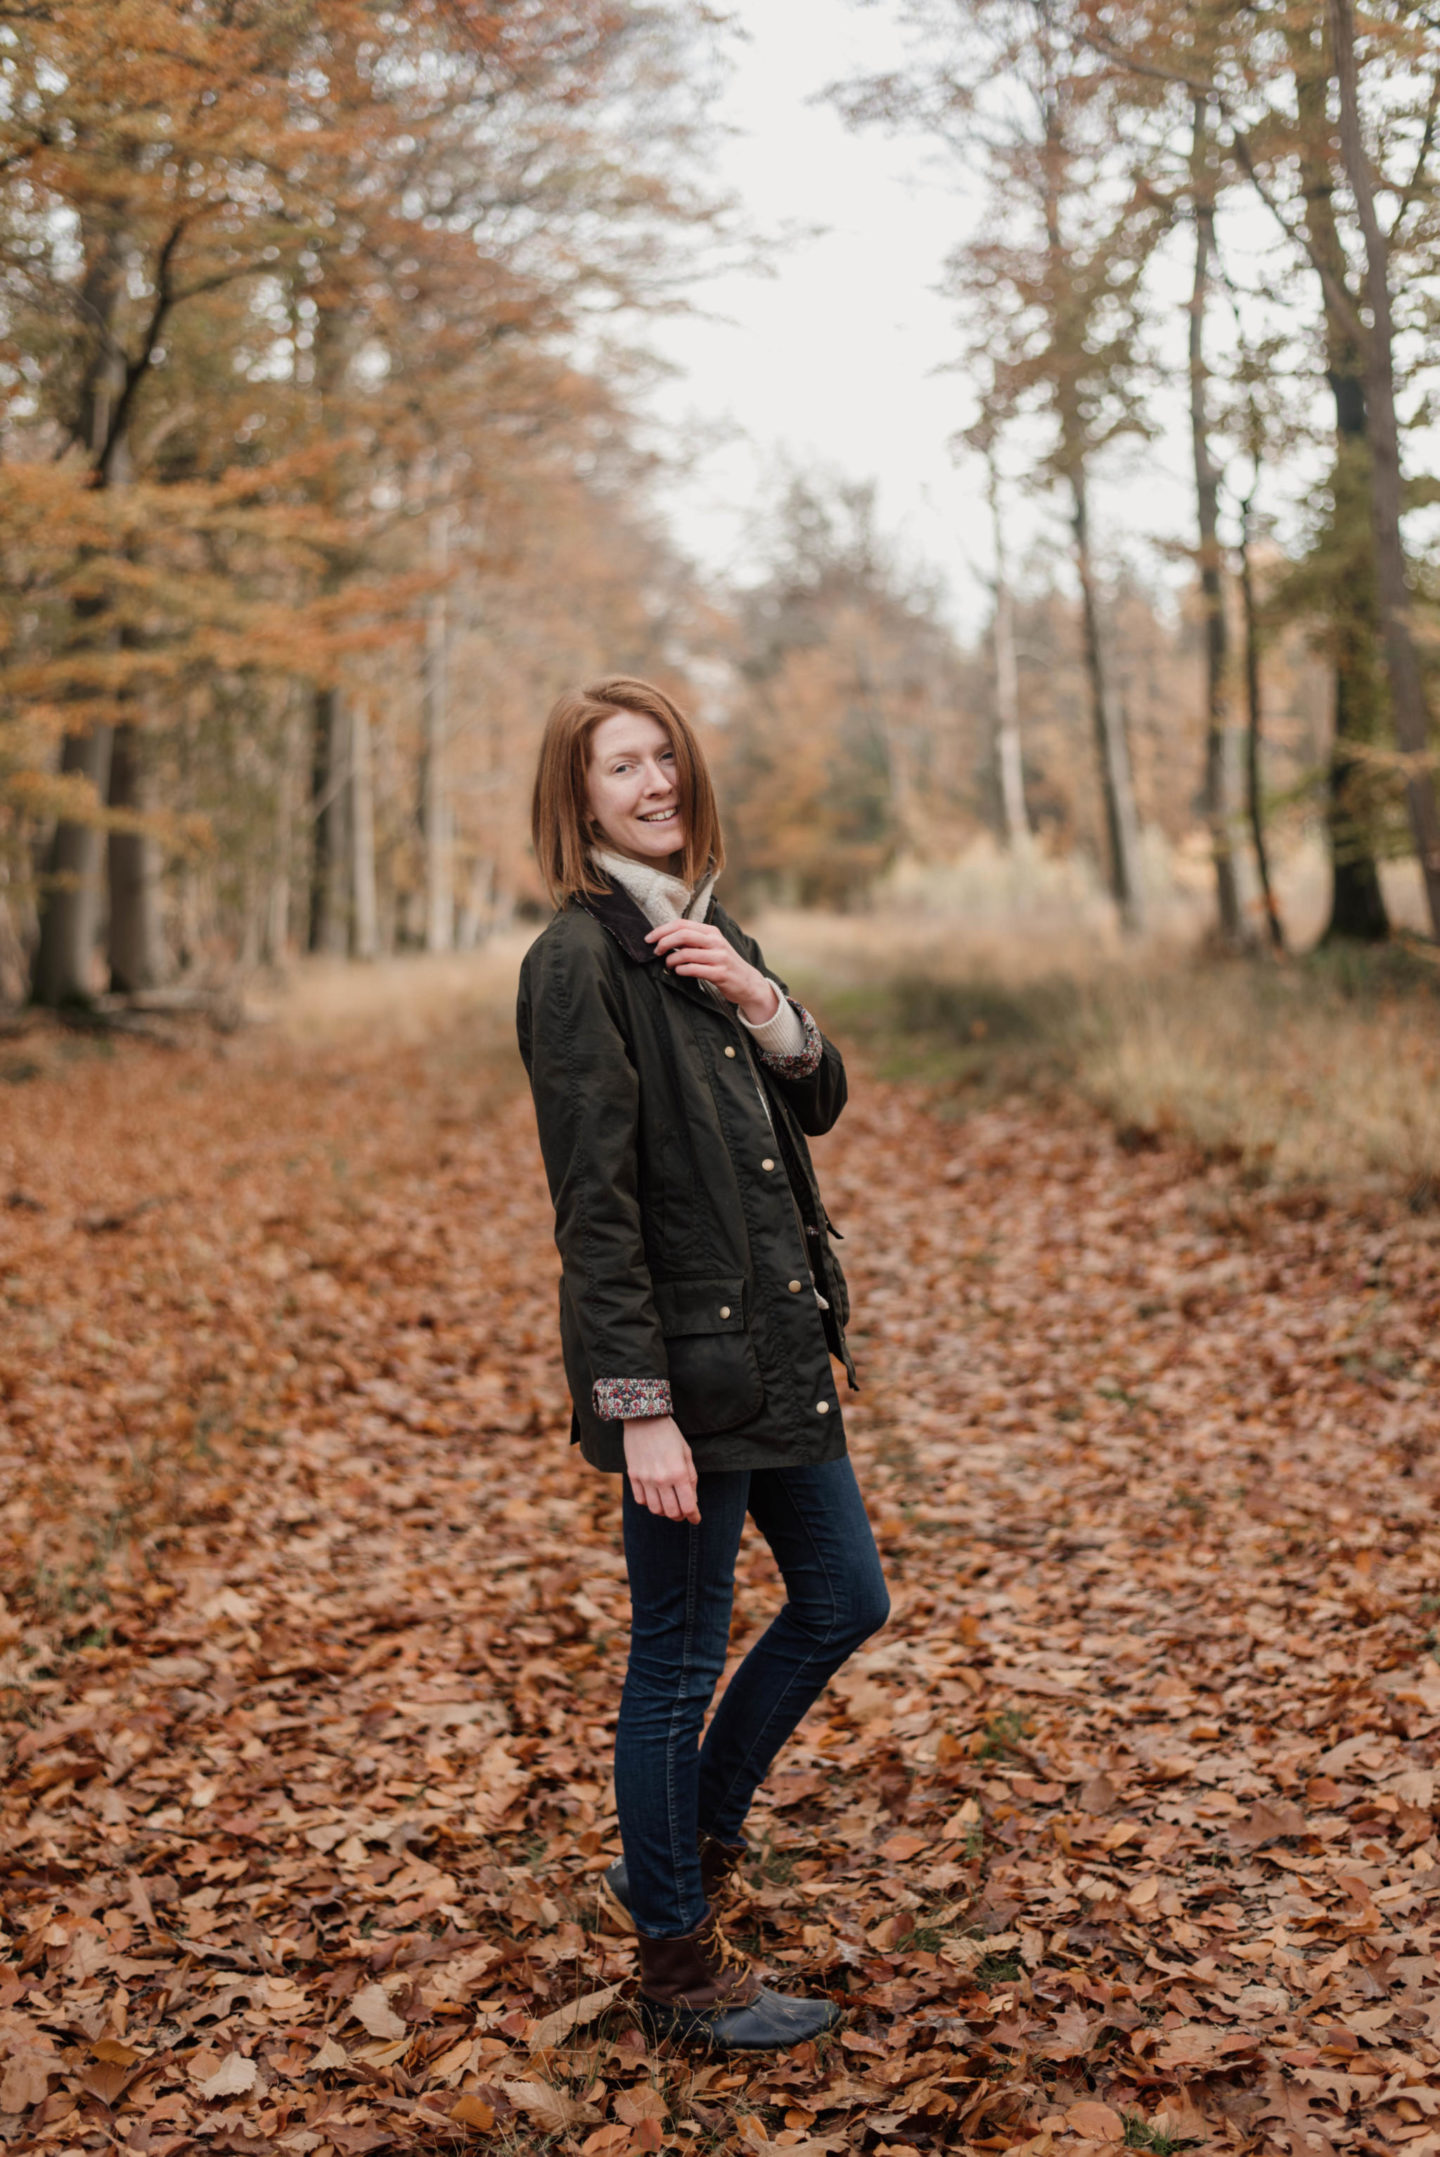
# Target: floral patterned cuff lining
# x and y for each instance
(616, 1398)
(806, 1061)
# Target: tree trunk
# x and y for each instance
(1358, 913)
(136, 945)
(1254, 792)
(276, 939)
(362, 832)
(477, 913)
(329, 801)
(1357, 903)
(1407, 689)
(435, 813)
(64, 969)
(1008, 749)
(1207, 499)
(13, 970)
(1111, 748)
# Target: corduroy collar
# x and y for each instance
(616, 911)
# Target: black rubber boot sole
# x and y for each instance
(771, 2022)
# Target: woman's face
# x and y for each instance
(633, 792)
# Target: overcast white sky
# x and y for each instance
(833, 360)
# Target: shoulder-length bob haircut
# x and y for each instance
(560, 821)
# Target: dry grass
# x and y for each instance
(1319, 1070)
(409, 999)
(1307, 1080)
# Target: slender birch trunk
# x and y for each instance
(329, 805)
(362, 831)
(1207, 501)
(276, 940)
(435, 811)
(1254, 729)
(1112, 750)
(1008, 747)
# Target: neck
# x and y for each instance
(660, 895)
(662, 864)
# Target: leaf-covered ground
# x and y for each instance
(1123, 1830)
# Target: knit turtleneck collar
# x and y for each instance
(659, 897)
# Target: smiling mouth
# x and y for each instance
(658, 816)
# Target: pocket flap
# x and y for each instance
(700, 1306)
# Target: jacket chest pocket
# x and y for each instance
(715, 1381)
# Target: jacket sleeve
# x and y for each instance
(813, 1080)
(587, 1097)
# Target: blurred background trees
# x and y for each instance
(323, 466)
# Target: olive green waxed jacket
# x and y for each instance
(690, 1227)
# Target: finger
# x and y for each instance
(656, 1500)
(673, 1508)
(670, 932)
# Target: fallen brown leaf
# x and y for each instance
(234, 2077)
(574, 2016)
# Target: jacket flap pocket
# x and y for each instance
(700, 1306)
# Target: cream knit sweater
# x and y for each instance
(662, 898)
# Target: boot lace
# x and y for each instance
(728, 1957)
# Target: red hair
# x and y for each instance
(560, 820)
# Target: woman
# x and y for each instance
(700, 1305)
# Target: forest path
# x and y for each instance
(1123, 1827)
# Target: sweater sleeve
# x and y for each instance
(587, 1099)
(812, 1079)
(790, 1044)
(783, 1033)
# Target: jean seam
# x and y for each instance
(679, 1709)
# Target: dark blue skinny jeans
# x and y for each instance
(669, 1787)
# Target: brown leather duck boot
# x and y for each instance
(718, 1862)
(699, 1986)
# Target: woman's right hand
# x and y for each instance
(661, 1467)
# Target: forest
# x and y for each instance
(328, 456)
(324, 460)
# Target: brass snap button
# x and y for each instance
(767, 1166)
(794, 1287)
(729, 1051)
(822, 1408)
(724, 1310)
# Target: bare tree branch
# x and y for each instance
(1240, 142)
